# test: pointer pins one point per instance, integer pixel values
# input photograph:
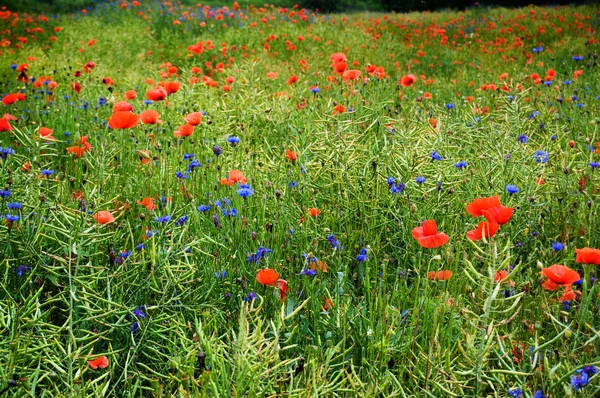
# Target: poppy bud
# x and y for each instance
(571, 144)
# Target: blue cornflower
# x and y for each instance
(460, 165)
(147, 102)
(22, 269)
(557, 246)
(567, 82)
(188, 156)
(523, 139)
(308, 272)
(449, 106)
(139, 312)
(13, 205)
(436, 156)
(101, 101)
(315, 90)
(13, 66)
(335, 244)
(250, 297)
(547, 82)
(4, 193)
(539, 394)
(420, 180)
(221, 274)
(537, 50)
(541, 156)
(577, 57)
(11, 217)
(181, 221)
(292, 184)
(181, 176)
(163, 219)
(512, 189)
(140, 246)
(233, 140)
(390, 181)
(579, 379)
(217, 150)
(47, 172)
(203, 208)
(510, 97)
(515, 393)
(575, 98)
(260, 253)
(4, 152)
(193, 164)
(362, 257)
(397, 188)
(594, 165)
(566, 305)
(533, 114)
(125, 254)
(244, 191)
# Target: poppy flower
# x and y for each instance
(145, 157)
(98, 363)
(267, 277)
(149, 116)
(313, 211)
(148, 203)
(568, 295)
(12, 98)
(184, 131)
(283, 289)
(170, 87)
(559, 275)
(588, 255)
(499, 214)
(156, 94)
(291, 155)
(338, 57)
(46, 134)
(129, 95)
(340, 109)
(477, 206)
(439, 276)
(79, 149)
(487, 229)
(103, 217)
(501, 275)
(407, 80)
(271, 75)
(237, 176)
(339, 67)
(293, 79)
(122, 106)
(319, 265)
(4, 122)
(123, 120)
(428, 236)
(194, 118)
(351, 74)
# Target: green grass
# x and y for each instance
(390, 330)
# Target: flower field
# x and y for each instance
(271, 202)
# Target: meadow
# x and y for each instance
(258, 201)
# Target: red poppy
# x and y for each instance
(477, 206)
(568, 295)
(12, 98)
(487, 229)
(319, 265)
(428, 236)
(351, 74)
(237, 176)
(194, 118)
(148, 203)
(156, 94)
(267, 276)
(313, 211)
(293, 79)
(149, 116)
(499, 214)
(170, 87)
(408, 80)
(145, 157)
(559, 275)
(129, 95)
(501, 275)
(122, 106)
(271, 75)
(338, 57)
(123, 120)
(340, 108)
(5, 124)
(439, 276)
(46, 134)
(103, 217)
(79, 149)
(283, 289)
(184, 131)
(588, 255)
(98, 363)
(339, 67)
(291, 155)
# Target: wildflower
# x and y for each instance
(577, 58)
(103, 217)
(181, 175)
(260, 253)
(512, 189)
(484, 229)
(163, 219)
(22, 269)
(420, 179)
(588, 255)
(559, 275)
(4, 152)
(313, 211)
(217, 150)
(47, 172)
(11, 218)
(515, 393)
(139, 312)
(428, 236)
(335, 244)
(557, 246)
(594, 165)
(449, 106)
(541, 156)
(362, 256)
(221, 275)
(539, 394)
(308, 272)
(538, 50)
(523, 139)
(407, 80)
(443, 275)
(123, 120)
(436, 156)
(233, 140)
(250, 297)
(193, 164)
(245, 191)
(101, 362)
(13, 206)
(397, 188)
(181, 221)
(460, 165)
(4, 193)
(203, 208)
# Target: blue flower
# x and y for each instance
(335, 244)
(181, 176)
(244, 191)
(203, 208)
(139, 312)
(579, 379)
(449, 106)
(362, 257)
(193, 164)
(539, 394)
(188, 156)
(538, 50)
(22, 269)
(460, 165)
(13, 206)
(594, 165)
(47, 172)
(397, 188)
(217, 150)
(523, 139)
(436, 156)
(147, 102)
(221, 275)
(260, 253)
(233, 140)
(577, 57)
(125, 254)
(163, 219)
(420, 180)
(140, 246)
(250, 297)
(4, 152)
(315, 90)
(292, 184)
(11, 218)
(4, 193)
(515, 393)
(181, 221)
(390, 181)
(557, 246)
(541, 156)
(512, 189)
(308, 272)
